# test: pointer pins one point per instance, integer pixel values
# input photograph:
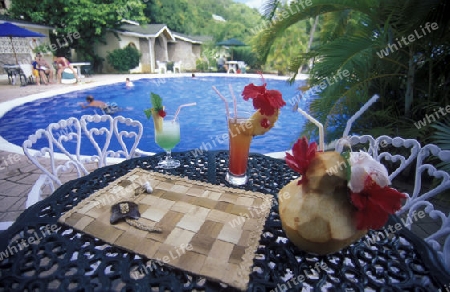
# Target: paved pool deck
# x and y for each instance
(18, 174)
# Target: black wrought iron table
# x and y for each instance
(67, 260)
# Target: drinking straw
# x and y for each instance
(318, 124)
(224, 100)
(183, 105)
(358, 114)
(234, 100)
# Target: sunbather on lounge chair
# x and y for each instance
(62, 63)
(40, 69)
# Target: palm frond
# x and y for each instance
(269, 8)
(264, 40)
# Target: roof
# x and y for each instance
(23, 23)
(145, 30)
(218, 18)
(192, 39)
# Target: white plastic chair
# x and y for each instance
(177, 65)
(242, 66)
(162, 66)
(232, 68)
(88, 130)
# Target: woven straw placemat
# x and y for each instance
(208, 230)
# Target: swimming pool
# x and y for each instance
(202, 126)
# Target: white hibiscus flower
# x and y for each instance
(363, 165)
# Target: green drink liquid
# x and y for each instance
(169, 136)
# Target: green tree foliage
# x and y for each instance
(90, 18)
(176, 14)
(411, 79)
(124, 59)
(293, 41)
(194, 17)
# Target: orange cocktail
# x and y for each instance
(267, 104)
(239, 131)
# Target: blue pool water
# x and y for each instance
(202, 126)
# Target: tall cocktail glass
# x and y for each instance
(166, 138)
(239, 131)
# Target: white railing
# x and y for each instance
(423, 161)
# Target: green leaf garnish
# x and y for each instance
(148, 113)
(156, 101)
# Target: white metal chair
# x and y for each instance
(67, 137)
(408, 155)
(117, 127)
(162, 66)
(177, 65)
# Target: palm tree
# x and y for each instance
(364, 38)
(293, 41)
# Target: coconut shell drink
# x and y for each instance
(338, 197)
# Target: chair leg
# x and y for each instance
(10, 77)
(23, 80)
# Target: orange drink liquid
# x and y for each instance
(240, 138)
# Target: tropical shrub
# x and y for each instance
(124, 59)
(201, 65)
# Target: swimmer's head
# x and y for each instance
(89, 98)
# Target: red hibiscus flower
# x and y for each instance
(162, 113)
(303, 153)
(266, 101)
(374, 204)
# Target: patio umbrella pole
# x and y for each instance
(10, 30)
(14, 50)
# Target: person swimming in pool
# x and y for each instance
(128, 83)
(107, 109)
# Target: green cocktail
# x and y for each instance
(167, 136)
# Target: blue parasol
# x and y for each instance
(11, 30)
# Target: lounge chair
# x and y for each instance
(12, 71)
(26, 74)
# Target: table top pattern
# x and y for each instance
(206, 229)
(62, 258)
